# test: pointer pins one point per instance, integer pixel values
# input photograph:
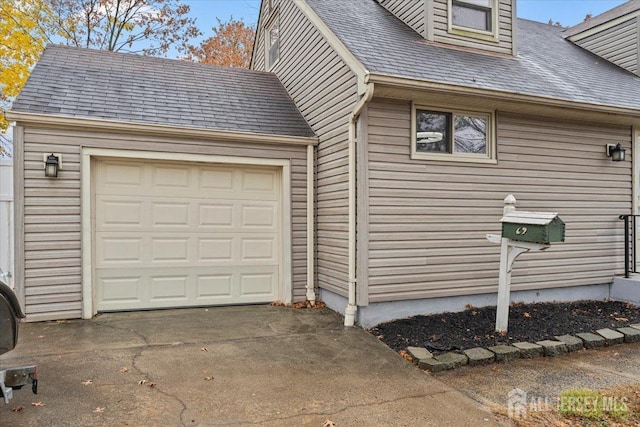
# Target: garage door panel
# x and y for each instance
(218, 215)
(115, 291)
(171, 289)
(257, 284)
(263, 249)
(168, 178)
(118, 212)
(256, 181)
(118, 251)
(116, 176)
(215, 249)
(192, 235)
(215, 287)
(170, 214)
(169, 250)
(258, 216)
(216, 179)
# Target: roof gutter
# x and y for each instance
(159, 130)
(410, 83)
(352, 308)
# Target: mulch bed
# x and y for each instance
(475, 327)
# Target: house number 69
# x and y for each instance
(521, 231)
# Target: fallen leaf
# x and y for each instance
(204, 349)
(328, 423)
(17, 409)
(405, 355)
(87, 382)
(38, 404)
(124, 370)
(98, 410)
(151, 384)
(495, 369)
(277, 304)
(208, 378)
(527, 314)
(621, 319)
(142, 382)
(41, 336)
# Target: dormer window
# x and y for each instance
(474, 18)
(272, 41)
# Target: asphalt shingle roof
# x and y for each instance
(98, 84)
(547, 65)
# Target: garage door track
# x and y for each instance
(252, 365)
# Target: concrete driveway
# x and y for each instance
(255, 365)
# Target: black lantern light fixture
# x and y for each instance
(51, 166)
(616, 152)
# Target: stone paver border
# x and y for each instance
(505, 353)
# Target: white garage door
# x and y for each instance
(178, 235)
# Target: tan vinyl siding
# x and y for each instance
(428, 219)
(505, 31)
(52, 230)
(325, 91)
(618, 44)
(259, 57)
(411, 12)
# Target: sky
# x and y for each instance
(566, 12)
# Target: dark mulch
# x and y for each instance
(475, 327)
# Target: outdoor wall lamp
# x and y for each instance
(616, 152)
(52, 164)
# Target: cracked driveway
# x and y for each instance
(255, 365)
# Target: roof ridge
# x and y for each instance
(136, 57)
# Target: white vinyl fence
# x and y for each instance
(6, 218)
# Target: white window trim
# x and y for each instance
(273, 19)
(490, 157)
(492, 35)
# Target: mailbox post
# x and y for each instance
(522, 232)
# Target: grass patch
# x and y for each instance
(614, 406)
(587, 404)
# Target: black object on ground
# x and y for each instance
(475, 327)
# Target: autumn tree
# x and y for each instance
(25, 28)
(230, 46)
(149, 27)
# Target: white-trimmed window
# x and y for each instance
(475, 18)
(272, 41)
(452, 135)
